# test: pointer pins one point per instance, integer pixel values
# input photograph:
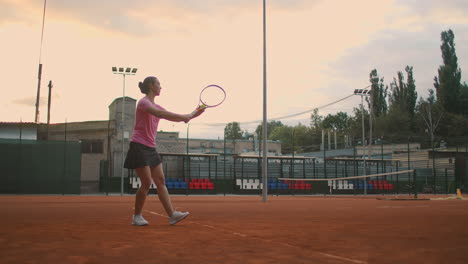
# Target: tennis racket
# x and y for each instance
(211, 96)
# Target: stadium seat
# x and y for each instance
(170, 185)
(211, 186)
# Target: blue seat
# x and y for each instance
(176, 185)
(183, 185)
(170, 185)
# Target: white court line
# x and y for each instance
(342, 258)
(397, 206)
(267, 240)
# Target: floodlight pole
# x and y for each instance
(371, 111)
(265, 119)
(362, 93)
(121, 71)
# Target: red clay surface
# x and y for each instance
(233, 229)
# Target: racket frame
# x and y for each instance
(202, 105)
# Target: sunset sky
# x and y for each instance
(318, 51)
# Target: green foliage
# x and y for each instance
(379, 94)
(464, 99)
(412, 95)
(338, 122)
(453, 126)
(270, 127)
(395, 125)
(397, 113)
(315, 119)
(403, 96)
(355, 123)
(297, 139)
(233, 131)
(447, 84)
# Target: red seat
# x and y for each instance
(196, 185)
(297, 186)
(206, 180)
(308, 186)
(211, 186)
(203, 186)
(302, 186)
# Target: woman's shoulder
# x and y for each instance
(145, 102)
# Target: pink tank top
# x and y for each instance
(146, 124)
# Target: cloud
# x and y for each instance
(137, 18)
(390, 51)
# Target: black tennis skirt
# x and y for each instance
(139, 155)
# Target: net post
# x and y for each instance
(414, 185)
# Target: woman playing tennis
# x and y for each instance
(142, 155)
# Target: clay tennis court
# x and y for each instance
(233, 229)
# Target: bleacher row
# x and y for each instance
(357, 184)
(274, 184)
(179, 183)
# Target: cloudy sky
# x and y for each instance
(318, 51)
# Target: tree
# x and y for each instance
(464, 99)
(294, 139)
(447, 84)
(431, 114)
(403, 95)
(379, 94)
(412, 95)
(315, 119)
(270, 127)
(398, 93)
(233, 131)
(338, 122)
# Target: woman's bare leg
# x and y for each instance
(158, 177)
(144, 174)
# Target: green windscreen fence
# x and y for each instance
(40, 167)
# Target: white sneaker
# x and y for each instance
(177, 216)
(138, 220)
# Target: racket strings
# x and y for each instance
(212, 96)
